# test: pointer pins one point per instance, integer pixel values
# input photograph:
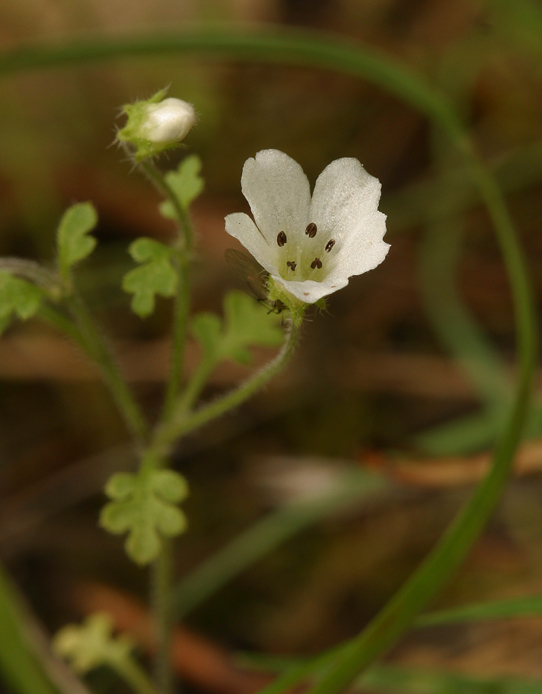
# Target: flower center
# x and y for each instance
(305, 256)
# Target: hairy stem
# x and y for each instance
(134, 676)
(181, 315)
(163, 622)
(155, 176)
(196, 385)
(185, 246)
(97, 348)
(181, 423)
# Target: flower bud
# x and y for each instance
(157, 124)
(169, 121)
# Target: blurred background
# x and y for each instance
(405, 378)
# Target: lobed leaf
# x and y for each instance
(143, 505)
(207, 329)
(17, 298)
(92, 644)
(155, 275)
(186, 183)
(246, 324)
(73, 240)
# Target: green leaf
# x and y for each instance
(92, 644)
(155, 276)
(74, 244)
(207, 329)
(398, 679)
(24, 663)
(143, 505)
(17, 298)
(186, 183)
(512, 608)
(246, 323)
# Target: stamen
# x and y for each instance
(311, 230)
(330, 244)
(316, 263)
(292, 265)
(281, 238)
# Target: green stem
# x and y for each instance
(196, 384)
(181, 316)
(97, 349)
(26, 663)
(281, 46)
(134, 676)
(163, 621)
(65, 325)
(185, 246)
(438, 567)
(159, 181)
(181, 423)
(161, 568)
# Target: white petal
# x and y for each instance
(168, 121)
(362, 249)
(345, 207)
(310, 291)
(278, 193)
(241, 226)
(344, 193)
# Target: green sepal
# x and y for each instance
(186, 183)
(155, 275)
(137, 114)
(276, 293)
(17, 298)
(246, 323)
(144, 506)
(137, 132)
(92, 644)
(73, 240)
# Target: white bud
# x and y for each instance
(168, 121)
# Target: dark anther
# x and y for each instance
(311, 230)
(281, 238)
(330, 244)
(292, 265)
(316, 263)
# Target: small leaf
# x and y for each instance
(207, 329)
(74, 244)
(186, 183)
(248, 323)
(143, 506)
(18, 298)
(155, 276)
(92, 644)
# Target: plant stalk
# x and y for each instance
(182, 423)
(98, 350)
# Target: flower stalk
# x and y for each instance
(181, 423)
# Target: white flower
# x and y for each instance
(168, 121)
(310, 246)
